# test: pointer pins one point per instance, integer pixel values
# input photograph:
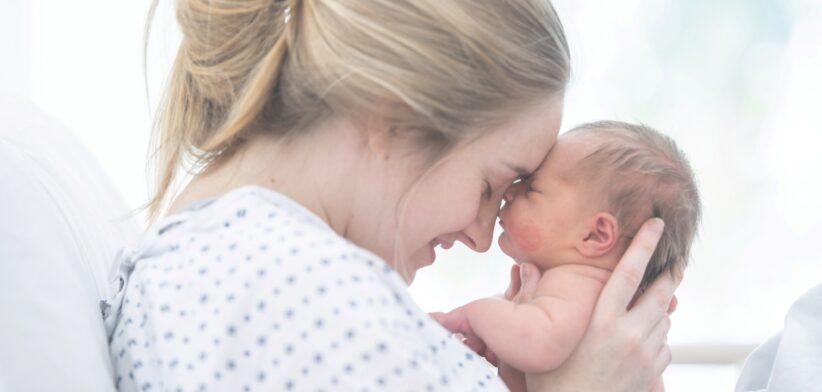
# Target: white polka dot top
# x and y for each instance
(252, 292)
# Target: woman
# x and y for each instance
(339, 143)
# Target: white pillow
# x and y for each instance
(59, 233)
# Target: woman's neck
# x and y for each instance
(310, 169)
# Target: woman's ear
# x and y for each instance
(601, 236)
(379, 137)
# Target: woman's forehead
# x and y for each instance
(567, 152)
(520, 145)
(525, 157)
(533, 135)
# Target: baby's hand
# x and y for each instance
(456, 322)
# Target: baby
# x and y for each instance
(574, 218)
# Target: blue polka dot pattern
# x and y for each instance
(252, 292)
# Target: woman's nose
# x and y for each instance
(514, 190)
(479, 235)
(481, 232)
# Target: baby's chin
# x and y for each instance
(509, 248)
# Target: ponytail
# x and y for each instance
(437, 70)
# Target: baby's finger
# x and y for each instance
(513, 287)
(448, 321)
(438, 316)
(474, 343)
(491, 357)
(620, 288)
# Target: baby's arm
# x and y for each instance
(539, 335)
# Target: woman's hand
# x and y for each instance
(623, 349)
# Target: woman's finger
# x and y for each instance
(656, 300)
(658, 335)
(658, 386)
(672, 306)
(663, 359)
(620, 288)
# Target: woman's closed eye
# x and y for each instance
(488, 191)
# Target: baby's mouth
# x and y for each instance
(500, 215)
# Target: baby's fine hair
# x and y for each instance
(644, 174)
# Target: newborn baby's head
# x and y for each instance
(594, 190)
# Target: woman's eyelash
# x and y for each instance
(523, 179)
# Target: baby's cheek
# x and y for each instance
(527, 236)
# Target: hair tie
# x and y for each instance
(287, 14)
(291, 8)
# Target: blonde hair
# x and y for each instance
(644, 174)
(434, 70)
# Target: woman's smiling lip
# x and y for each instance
(432, 253)
(444, 243)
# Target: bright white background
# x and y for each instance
(737, 83)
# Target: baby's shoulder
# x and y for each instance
(572, 278)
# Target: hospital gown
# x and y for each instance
(791, 360)
(250, 291)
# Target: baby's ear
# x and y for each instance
(602, 234)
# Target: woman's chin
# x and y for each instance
(431, 255)
(424, 257)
